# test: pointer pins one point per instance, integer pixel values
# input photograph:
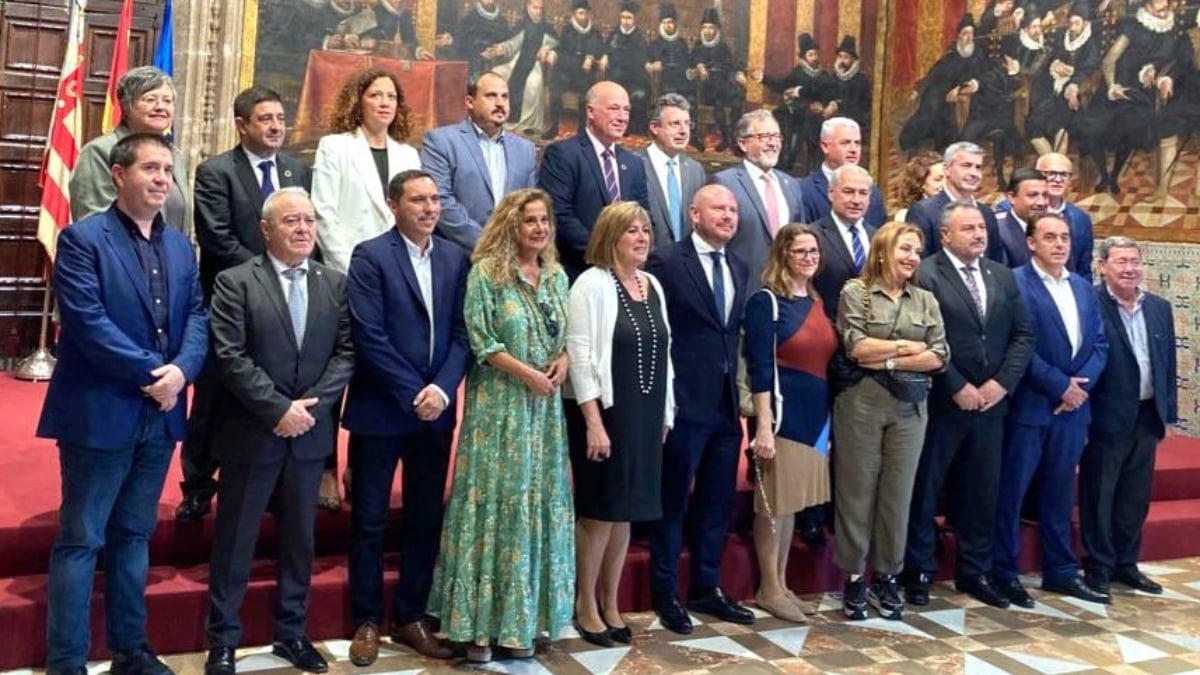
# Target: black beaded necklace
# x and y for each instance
(645, 382)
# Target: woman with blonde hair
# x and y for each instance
(507, 567)
(892, 330)
(619, 341)
(789, 342)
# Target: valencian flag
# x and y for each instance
(62, 146)
(120, 64)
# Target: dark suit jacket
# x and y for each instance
(814, 190)
(927, 214)
(1012, 236)
(229, 205)
(837, 263)
(701, 336)
(1047, 377)
(753, 238)
(997, 347)
(1115, 396)
(107, 348)
(262, 368)
(691, 179)
(390, 327)
(1082, 239)
(572, 175)
(452, 156)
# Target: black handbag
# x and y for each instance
(905, 385)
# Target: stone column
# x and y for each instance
(208, 55)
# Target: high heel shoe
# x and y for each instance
(622, 634)
(600, 639)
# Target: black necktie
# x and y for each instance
(268, 186)
(718, 284)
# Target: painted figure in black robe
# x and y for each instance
(951, 77)
(624, 62)
(722, 79)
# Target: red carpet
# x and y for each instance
(176, 594)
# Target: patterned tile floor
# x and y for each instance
(1138, 633)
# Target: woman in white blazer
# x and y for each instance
(355, 162)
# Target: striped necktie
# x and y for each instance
(610, 178)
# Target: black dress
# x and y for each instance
(626, 487)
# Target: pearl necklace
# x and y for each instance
(645, 384)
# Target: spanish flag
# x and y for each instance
(120, 64)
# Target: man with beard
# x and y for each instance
(579, 50)
(1026, 199)
(624, 62)
(964, 171)
(803, 109)
(477, 30)
(722, 78)
(525, 57)
(1139, 74)
(1054, 92)
(952, 76)
(850, 90)
(668, 56)
(991, 117)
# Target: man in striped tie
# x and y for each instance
(588, 171)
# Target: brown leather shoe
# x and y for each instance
(365, 647)
(418, 636)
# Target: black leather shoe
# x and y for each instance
(672, 615)
(193, 508)
(1016, 593)
(716, 603)
(600, 639)
(220, 662)
(138, 662)
(300, 653)
(623, 634)
(981, 589)
(1097, 581)
(916, 588)
(1134, 579)
(1075, 587)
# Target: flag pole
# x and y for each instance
(40, 364)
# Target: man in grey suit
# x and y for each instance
(229, 193)
(767, 198)
(281, 340)
(475, 162)
(674, 176)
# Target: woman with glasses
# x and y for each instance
(506, 570)
(789, 342)
(618, 338)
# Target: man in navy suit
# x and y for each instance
(229, 193)
(405, 290)
(475, 162)
(841, 144)
(767, 198)
(1027, 198)
(1056, 167)
(1049, 414)
(705, 287)
(134, 333)
(588, 171)
(844, 234)
(674, 177)
(1133, 403)
(964, 171)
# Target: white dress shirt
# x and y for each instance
(658, 162)
(599, 149)
(423, 269)
(1135, 329)
(1064, 299)
(977, 274)
(703, 250)
(255, 160)
(286, 283)
(756, 176)
(492, 148)
(844, 229)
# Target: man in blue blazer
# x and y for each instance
(841, 144)
(134, 334)
(1027, 194)
(705, 287)
(475, 162)
(1049, 414)
(588, 171)
(405, 290)
(1133, 403)
(964, 171)
(767, 198)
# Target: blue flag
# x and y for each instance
(164, 54)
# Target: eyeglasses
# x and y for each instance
(763, 138)
(1057, 175)
(804, 252)
(679, 124)
(550, 319)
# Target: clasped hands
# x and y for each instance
(981, 398)
(169, 381)
(546, 382)
(1073, 397)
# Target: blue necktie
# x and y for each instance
(297, 306)
(860, 256)
(267, 185)
(718, 283)
(674, 199)
(610, 178)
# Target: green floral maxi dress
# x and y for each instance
(507, 566)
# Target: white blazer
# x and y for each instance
(591, 320)
(350, 203)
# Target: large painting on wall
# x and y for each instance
(1114, 85)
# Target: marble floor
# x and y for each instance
(1138, 633)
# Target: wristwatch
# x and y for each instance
(890, 364)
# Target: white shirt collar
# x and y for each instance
(843, 225)
(969, 200)
(703, 248)
(755, 172)
(600, 147)
(414, 251)
(483, 134)
(657, 156)
(281, 267)
(959, 264)
(255, 160)
(1045, 276)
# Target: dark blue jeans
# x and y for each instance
(110, 502)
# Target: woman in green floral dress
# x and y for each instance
(507, 566)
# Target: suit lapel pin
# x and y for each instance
(624, 168)
(287, 173)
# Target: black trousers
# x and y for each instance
(1115, 475)
(196, 456)
(962, 449)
